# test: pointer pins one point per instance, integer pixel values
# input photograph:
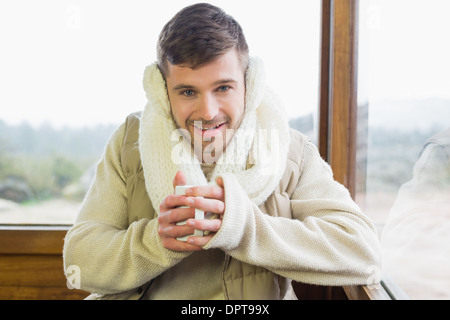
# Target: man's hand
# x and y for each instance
(170, 213)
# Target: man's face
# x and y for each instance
(208, 101)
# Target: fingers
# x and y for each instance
(170, 233)
(175, 245)
(177, 208)
(199, 242)
(174, 231)
(211, 225)
(212, 192)
(171, 202)
(207, 205)
(207, 198)
(175, 215)
(169, 230)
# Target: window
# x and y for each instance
(72, 71)
(403, 102)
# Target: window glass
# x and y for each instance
(403, 172)
(71, 71)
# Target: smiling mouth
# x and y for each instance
(208, 131)
(208, 128)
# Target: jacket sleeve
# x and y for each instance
(112, 255)
(329, 241)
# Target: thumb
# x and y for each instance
(219, 182)
(179, 179)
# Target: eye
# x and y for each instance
(223, 88)
(188, 93)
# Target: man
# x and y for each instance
(210, 122)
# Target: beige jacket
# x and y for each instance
(309, 230)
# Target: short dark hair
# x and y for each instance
(197, 35)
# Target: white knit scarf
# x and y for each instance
(262, 141)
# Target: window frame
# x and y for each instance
(338, 114)
(338, 90)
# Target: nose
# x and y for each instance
(208, 107)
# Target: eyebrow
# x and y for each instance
(183, 86)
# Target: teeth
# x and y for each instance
(204, 129)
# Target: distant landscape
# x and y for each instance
(39, 163)
(43, 164)
(397, 132)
